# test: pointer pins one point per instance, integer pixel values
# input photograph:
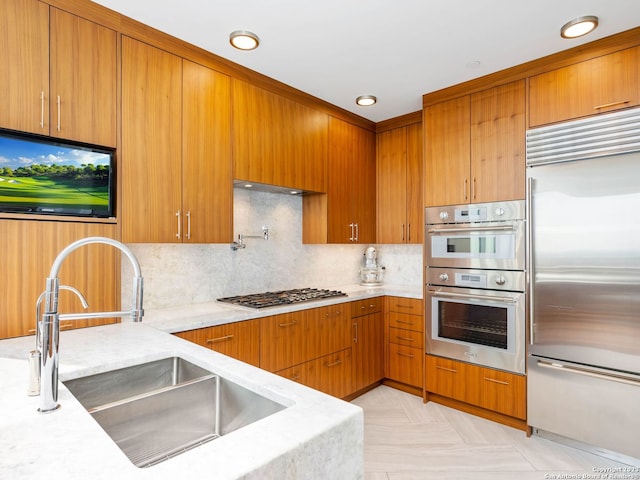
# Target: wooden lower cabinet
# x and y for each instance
(240, 340)
(367, 342)
(494, 391)
(405, 342)
(331, 374)
(283, 340)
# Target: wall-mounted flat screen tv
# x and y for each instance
(47, 176)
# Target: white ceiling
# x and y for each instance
(397, 50)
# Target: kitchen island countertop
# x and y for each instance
(316, 436)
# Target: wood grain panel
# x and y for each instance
(368, 351)
(331, 374)
(446, 377)
(30, 249)
(329, 330)
(366, 306)
(413, 306)
(447, 152)
(415, 184)
(409, 338)
(406, 364)
(283, 340)
(83, 75)
(498, 143)
(497, 391)
(24, 56)
(392, 180)
(151, 143)
(601, 84)
(207, 187)
(240, 340)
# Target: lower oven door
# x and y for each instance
(478, 326)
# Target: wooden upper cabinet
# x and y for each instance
(447, 129)
(474, 147)
(59, 74)
(83, 80)
(24, 56)
(207, 186)
(150, 161)
(598, 85)
(400, 185)
(277, 141)
(498, 143)
(176, 149)
(351, 193)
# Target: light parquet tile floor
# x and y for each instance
(405, 439)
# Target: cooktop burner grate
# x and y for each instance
(282, 297)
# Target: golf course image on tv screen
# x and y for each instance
(46, 176)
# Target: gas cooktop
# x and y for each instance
(282, 297)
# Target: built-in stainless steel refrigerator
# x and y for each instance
(584, 283)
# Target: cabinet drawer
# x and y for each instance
(497, 391)
(329, 330)
(413, 306)
(406, 364)
(239, 340)
(409, 338)
(405, 321)
(331, 374)
(283, 340)
(446, 377)
(366, 306)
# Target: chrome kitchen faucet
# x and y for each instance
(48, 327)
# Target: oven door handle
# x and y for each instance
(473, 296)
(472, 228)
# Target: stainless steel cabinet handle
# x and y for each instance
(612, 104)
(179, 224)
(403, 232)
(357, 232)
(451, 370)
(405, 339)
(589, 373)
(496, 381)
(219, 339)
(42, 109)
(471, 228)
(465, 188)
(334, 364)
(529, 257)
(289, 324)
(473, 188)
(402, 354)
(405, 322)
(188, 224)
(478, 297)
(352, 236)
(58, 112)
(355, 332)
(408, 232)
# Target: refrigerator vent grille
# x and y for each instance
(607, 134)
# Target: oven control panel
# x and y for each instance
(481, 279)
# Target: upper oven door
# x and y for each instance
(491, 245)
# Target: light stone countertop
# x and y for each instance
(182, 318)
(316, 437)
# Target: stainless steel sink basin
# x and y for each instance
(156, 410)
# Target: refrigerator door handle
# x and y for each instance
(529, 257)
(589, 373)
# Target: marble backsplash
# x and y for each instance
(176, 274)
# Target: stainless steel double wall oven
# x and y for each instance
(475, 283)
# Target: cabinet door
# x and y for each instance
(446, 377)
(406, 364)
(498, 143)
(415, 184)
(368, 350)
(497, 391)
(150, 164)
(594, 86)
(283, 341)
(277, 141)
(329, 330)
(92, 269)
(331, 374)
(83, 80)
(207, 186)
(240, 340)
(392, 186)
(351, 194)
(24, 56)
(447, 152)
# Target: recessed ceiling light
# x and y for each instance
(366, 100)
(244, 40)
(579, 26)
